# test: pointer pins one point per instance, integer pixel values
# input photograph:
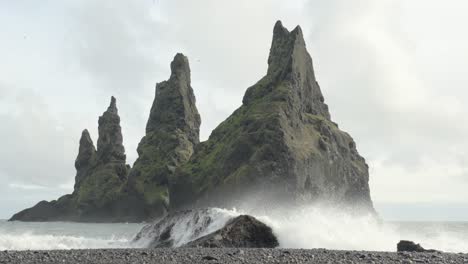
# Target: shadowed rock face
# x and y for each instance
(241, 232)
(109, 145)
(99, 180)
(86, 158)
(280, 146)
(208, 227)
(172, 132)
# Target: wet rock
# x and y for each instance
(410, 246)
(241, 232)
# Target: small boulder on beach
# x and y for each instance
(410, 246)
(243, 231)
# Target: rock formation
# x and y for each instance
(206, 228)
(241, 232)
(410, 246)
(172, 132)
(99, 180)
(280, 146)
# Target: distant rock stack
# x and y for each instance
(86, 158)
(279, 148)
(172, 132)
(100, 177)
(109, 145)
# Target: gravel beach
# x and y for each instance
(206, 255)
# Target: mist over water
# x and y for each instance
(314, 227)
(59, 235)
(304, 227)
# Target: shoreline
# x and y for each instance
(224, 255)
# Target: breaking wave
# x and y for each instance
(49, 242)
(60, 235)
(306, 227)
(314, 227)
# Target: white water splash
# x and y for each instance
(60, 235)
(306, 227)
(313, 227)
(28, 241)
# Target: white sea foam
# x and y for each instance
(59, 235)
(312, 227)
(28, 241)
(307, 227)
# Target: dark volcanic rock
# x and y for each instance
(86, 158)
(206, 228)
(178, 228)
(241, 232)
(109, 145)
(172, 132)
(99, 180)
(280, 146)
(410, 246)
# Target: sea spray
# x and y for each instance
(304, 227)
(62, 235)
(314, 227)
(319, 227)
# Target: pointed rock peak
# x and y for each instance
(86, 151)
(109, 144)
(86, 138)
(113, 106)
(279, 30)
(174, 105)
(180, 65)
(284, 45)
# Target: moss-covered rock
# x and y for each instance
(172, 132)
(101, 177)
(279, 146)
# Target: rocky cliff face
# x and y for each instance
(279, 146)
(100, 178)
(172, 132)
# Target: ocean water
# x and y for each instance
(301, 228)
(60, 235)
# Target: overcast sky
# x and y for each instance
(393, 72)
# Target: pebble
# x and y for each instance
(213, 255)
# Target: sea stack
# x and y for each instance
(101, 175)
(172, 132)
(279, 147)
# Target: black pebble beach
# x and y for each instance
(207, 255)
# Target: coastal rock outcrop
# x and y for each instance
(279, 147)
(209, 227)
(178, 228)
(243, 231)
(410, 246)
(100, 178)
(172, 132)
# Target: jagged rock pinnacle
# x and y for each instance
(110, 143)
(180, 67)
(171, 135)
(279, 145)
(290, 62)
(174, 104)
(85, 159)
(86, 150)
(113, 106)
